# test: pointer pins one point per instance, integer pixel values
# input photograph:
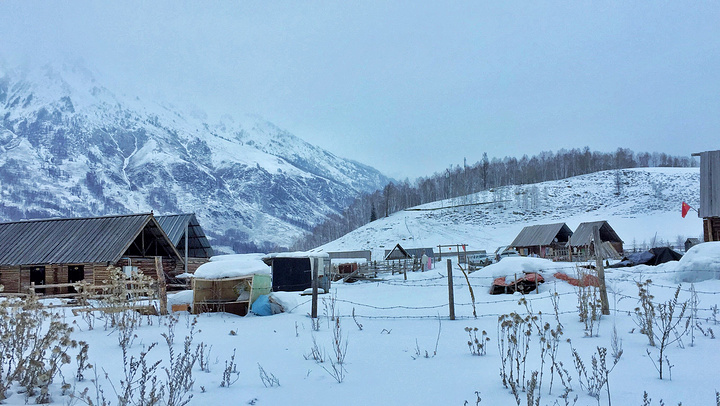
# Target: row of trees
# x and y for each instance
(485, 174)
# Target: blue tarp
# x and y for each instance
(263, 306)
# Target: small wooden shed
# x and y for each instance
(398, 252)
(230, 283)
(581, 244)
(230, 295)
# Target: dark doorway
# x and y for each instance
(37, 275)
(76, 273)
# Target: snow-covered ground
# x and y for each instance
(403, 349)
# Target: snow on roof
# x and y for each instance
(297, 254)
(232, 266)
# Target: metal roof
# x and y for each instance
(583, 235)
(542, 234)
(175, 225)
(76, 240)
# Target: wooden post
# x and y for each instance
(187, 237)
(451, 294)
(315, 283)
(605, 305)
(162, 289)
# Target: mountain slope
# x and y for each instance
(71, 147)
(646, 196)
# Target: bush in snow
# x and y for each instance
(34, 344)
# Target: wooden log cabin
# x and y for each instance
(67, 250)
(543, 240)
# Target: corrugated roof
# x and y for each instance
(175, 225)
(74, 240)
(541, 234)
(583, 235)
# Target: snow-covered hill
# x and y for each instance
(645, 211)
(71, 147)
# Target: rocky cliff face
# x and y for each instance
(71, 147)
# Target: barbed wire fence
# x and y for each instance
(441, 310)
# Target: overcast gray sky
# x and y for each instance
(408, 87)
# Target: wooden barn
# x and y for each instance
(709, 208)
(581, 243)
(543, 240)
(67, 250)
(188, 237)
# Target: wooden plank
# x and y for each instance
(144, 309)
(162, 289)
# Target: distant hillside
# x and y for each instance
(486, 174)
(642, 205)
(71, 147)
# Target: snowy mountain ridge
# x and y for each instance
(629, 199)
(71, 147)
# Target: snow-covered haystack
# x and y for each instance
(700, 263)
(232, 266)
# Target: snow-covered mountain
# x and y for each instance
(629, 199)
(71, 147)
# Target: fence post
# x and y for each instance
(605, 305)
(162, 289)
(314, 310)
(451, 293)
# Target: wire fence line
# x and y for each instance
(530, 298)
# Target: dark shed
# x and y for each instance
(292, 271)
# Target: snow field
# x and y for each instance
(401, 319)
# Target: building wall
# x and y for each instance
(711, 229)
(10, 278)
(17, 279)
(147, 265)
(193, 265)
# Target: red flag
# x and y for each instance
(685, 209)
